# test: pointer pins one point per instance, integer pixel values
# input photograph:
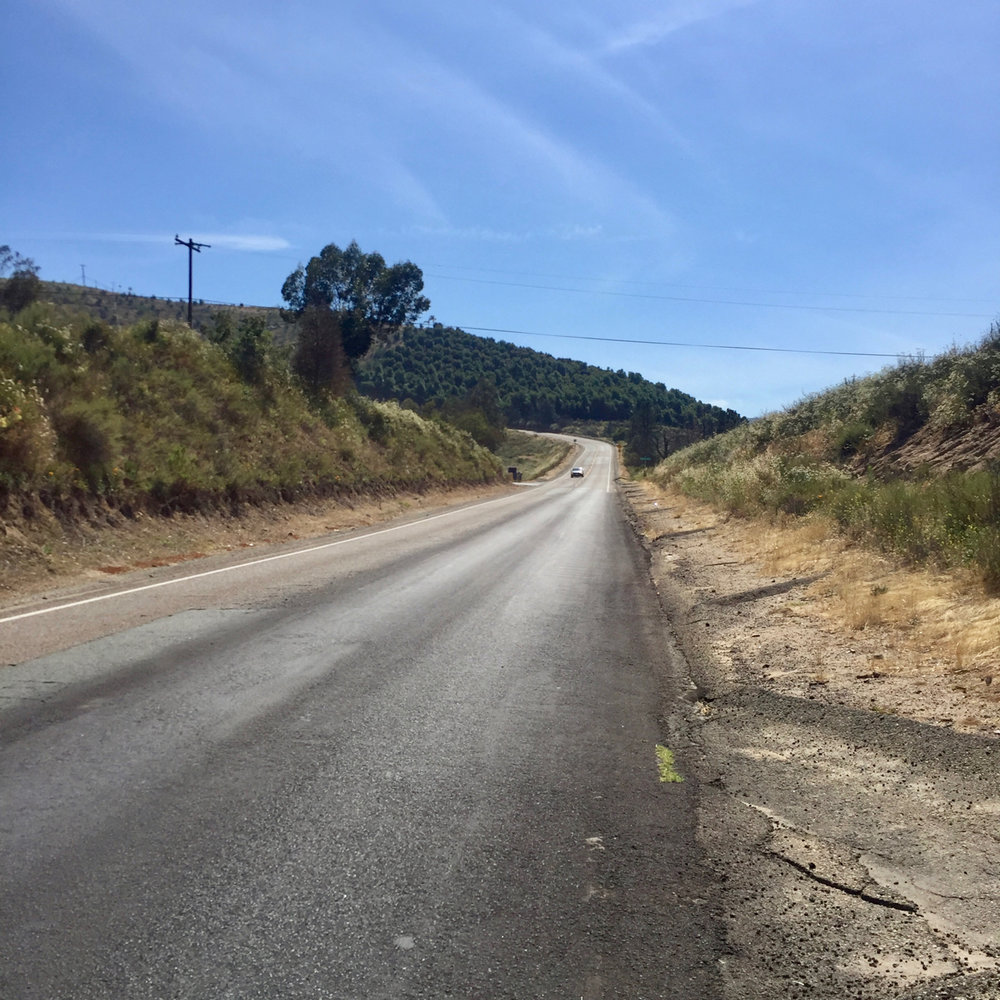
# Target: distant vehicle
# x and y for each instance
(576, 472)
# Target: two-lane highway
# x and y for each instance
(417, 761)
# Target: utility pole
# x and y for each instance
(191, 246)
(83, 271)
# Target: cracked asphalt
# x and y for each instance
(857, 853)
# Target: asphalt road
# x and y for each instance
(414, 761)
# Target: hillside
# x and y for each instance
(127, 308)
(153, 417)
(431, 366)
(846, 550)
(907, 461)
(534, 390)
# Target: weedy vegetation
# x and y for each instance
(906, 461)
(155, 417)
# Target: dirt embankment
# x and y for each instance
(938, 450)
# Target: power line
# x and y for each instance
(672, 343)
(719, 302)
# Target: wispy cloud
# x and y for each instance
(484, 234)
(672, 17)
(247, 242)
(578, 231)
(247, 76)
(248, 73)
(523, 142)
(584, 64)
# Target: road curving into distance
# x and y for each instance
(414, 761)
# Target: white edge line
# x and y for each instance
(245, 565)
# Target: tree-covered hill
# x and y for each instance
(431, 365)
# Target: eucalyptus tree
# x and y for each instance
(23, 286)
(369, 298)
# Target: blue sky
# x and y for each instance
(818, 175)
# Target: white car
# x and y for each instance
(576, 472)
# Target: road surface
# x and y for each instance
(413, 761)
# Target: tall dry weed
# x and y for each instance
(930, 622)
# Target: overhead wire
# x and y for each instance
(672, 343)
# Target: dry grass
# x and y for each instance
(929, 624)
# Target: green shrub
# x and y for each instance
(20, 290)
(984, 553)
(95, 337)
(849, 439)
(90, 438)
(27, 440)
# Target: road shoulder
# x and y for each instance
(854, 848)
(45, 557)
